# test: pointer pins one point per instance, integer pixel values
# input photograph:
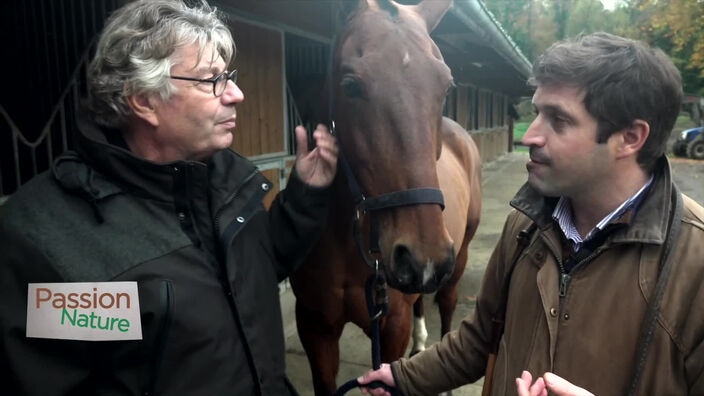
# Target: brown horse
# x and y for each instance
(389, 83)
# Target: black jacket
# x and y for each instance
(206, 255)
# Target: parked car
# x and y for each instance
(690, 144)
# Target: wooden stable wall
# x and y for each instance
(273, 176)
(278, 172)
(483, 114)
(260, 118)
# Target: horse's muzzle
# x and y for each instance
(410, 275)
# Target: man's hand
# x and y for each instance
(316, 167)
(383, 374)
(526, 387)
(548, 382)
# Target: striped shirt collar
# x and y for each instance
(563, 215)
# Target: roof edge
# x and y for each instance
(475, 15)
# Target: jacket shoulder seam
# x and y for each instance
(694, 223)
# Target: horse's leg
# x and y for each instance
(446, 296)
(420, 333)
(396, 328)
(321, 343)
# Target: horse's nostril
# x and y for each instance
(448, 265)
(404, 264)
(445, 268)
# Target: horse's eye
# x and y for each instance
(352, 87)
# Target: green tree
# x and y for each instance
(513, 17)
(528, 22)
(587, 16)
(561, 11)
(677, 27)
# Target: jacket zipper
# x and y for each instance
(167, 303)
(229, 291)
(565, 278)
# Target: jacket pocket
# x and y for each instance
(166, 303)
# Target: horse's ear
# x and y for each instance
(347, 8)
(432, 11)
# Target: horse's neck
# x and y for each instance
(341, 204)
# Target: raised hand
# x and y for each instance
(316, 167)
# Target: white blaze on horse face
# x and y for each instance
(428, 272)
(420, 334)
(406, 59)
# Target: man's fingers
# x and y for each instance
(538, 388)
(322, 128)
(527, 377)
(522, 387)
(368, 377)
(324, 139)
(301, 141)
(329, 158)
(523, 384)
(383, 374)
(561, 387)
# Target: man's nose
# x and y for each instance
(232, 94)
(533, 137)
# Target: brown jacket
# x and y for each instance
(589, 336)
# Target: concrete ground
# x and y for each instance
(501, 179)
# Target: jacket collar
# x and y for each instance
(116, 166)
(648, 226)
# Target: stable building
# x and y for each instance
(283, 50)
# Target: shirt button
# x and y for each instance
(539, 255)
(566, 316)
(265, 187)
(181, 216)
(240, 219)
(553, 312)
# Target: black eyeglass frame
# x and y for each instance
(215, 80)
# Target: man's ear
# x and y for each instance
(632, 139)
(143, 107)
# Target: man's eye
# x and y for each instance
(558, 123)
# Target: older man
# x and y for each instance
(585, 302)
(145, 263)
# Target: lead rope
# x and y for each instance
(377, 306)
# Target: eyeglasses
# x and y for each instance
(219, 82)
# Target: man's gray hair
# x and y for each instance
(622, 80)
(134, 52)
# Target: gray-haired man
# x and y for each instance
(145, 263)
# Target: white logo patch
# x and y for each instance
(100, 311)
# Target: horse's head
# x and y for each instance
(389, 86)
